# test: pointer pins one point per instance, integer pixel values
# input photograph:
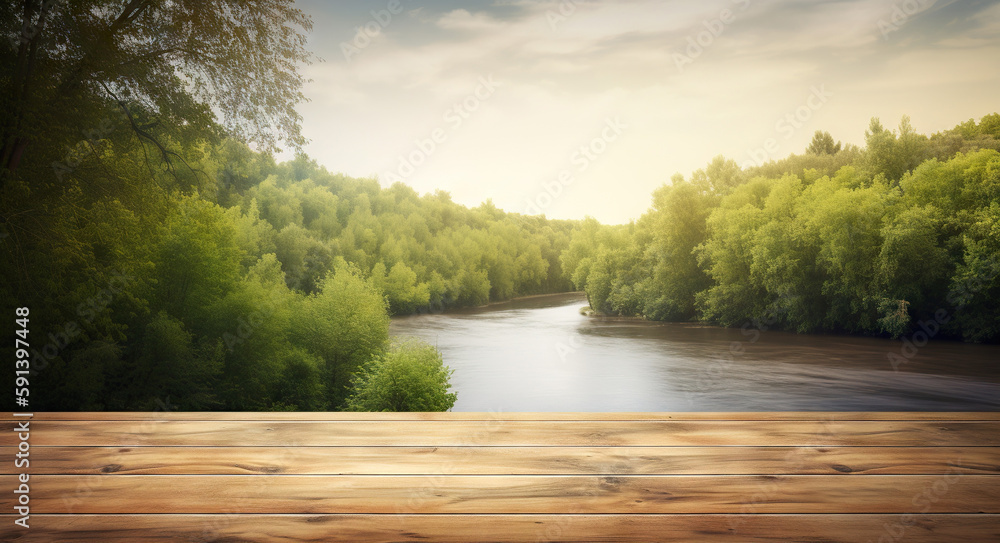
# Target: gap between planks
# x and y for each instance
(833, 528)
(508, 433)
(510, 494)
(371, 460)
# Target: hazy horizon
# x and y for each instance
(534, 82)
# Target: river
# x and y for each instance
(541, 354)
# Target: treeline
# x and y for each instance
(236, 283)
(169, 263)
(898, 237)
(424, 252)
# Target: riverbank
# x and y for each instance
(540, 354)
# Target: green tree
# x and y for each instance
(727, 256)
(302, 386)
(252, 326)
(677, 224)
(721, 176)
(880, 151)
(198, 258)
(404, 293)
(823, 144)
(411, 376)
(183, 60)
(890, 155)
(345, 324)
(169, 365)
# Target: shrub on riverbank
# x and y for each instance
(411, 376)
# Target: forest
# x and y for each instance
(243, 284)
(168, 260)
(900, 235)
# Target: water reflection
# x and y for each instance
(541, 354)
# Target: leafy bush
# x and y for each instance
(411, 376)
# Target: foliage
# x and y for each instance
(170, 261)
(345, 324)
(409, 377)
(171, 257)
(871, 241)
(421, 251)
(822, 144)
(178, 63)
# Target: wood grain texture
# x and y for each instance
(508, 433)
(504, 528)
(510, 494)
(508, 460)
(517, 477)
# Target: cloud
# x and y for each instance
(562, 76)
(461, 19)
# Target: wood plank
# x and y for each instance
(504, 528)
(508, 433)
(508, 460)
(500, 415)
(508, 477)
(297, 494)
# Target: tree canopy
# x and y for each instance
(173, 68)
(880, 240)
(169, 259)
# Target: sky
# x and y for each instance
(583, 108)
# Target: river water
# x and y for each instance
(541, 354)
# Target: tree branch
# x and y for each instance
(164, 152)
(128, 14)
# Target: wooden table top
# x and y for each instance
(513, 477)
